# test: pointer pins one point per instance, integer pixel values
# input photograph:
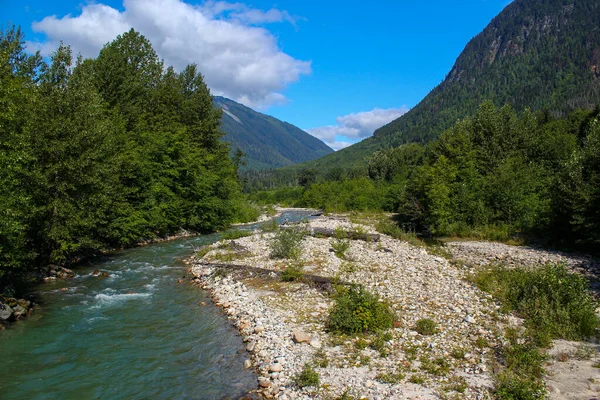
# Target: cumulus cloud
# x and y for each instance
(355, 127)
(239, 59)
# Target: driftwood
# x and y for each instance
(322, 282)
(352, 235)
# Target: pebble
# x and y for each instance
(417, 285)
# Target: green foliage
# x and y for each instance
(426, 326)
(339, 243)
(288, 243)
(357, 310)
(104, 153)
(554, 301)
(392, 378)
(292, 272)
(269, 226)
(548, 69)
(308, 377)
(245, 211)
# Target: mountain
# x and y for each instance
(266, 141)
(540, 54)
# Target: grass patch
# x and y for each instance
(426, 327)
(308, 377)
(392, 378)
(554, 302)
(235, 234)
(417, 379)
(339, 243)
(293, 272)
(288, 243)
(439, 366)
(356, 310)
(389, 227)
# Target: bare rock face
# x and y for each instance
(300, 337)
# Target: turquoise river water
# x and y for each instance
(137, 334)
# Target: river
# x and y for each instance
(142, 332)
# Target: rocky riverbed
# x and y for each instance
(283, 323)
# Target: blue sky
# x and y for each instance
(338, 69)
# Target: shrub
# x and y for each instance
(308, 377)
(339, 247)
(357, 310)
(287, 243)
(426, 326)
(554, 302)
(293, 272)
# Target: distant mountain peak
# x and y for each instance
(266, 141)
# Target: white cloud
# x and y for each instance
(238, 59)
(355, 127)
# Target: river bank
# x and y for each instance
(283, 323)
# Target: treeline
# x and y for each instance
(493, 174)
(103, 153)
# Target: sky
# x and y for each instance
(337, 69)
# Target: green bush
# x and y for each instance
(293, 272)
(308, 377)
(287, 243)
(426, 327)
(340, 246)
(513, 386)
(554, 302)
(357, 310)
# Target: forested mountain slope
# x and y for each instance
(266, 141)
(537, 54)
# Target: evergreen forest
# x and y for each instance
(104, 153)
(497, 174)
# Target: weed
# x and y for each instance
(345, 396)
(390, 228)
(417, 379)
(410, 350)
(554, 302)
(287, 243)
(458, 353)
(321, 359)
(293, 272)
(308, 377)
(439, 366)
(426, 327)
(596, 364)
(457, 384)
(392, 378)
(482, 342)
(340, 246)
(584, 351)
(361, 344)
(365, 360)
(357, 310)
(348, 268)
(202, 251)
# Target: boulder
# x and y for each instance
(5, 311)
(300, 337)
